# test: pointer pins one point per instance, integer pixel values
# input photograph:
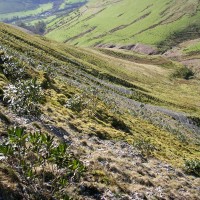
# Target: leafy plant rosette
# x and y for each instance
(44, 165)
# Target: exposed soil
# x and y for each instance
(140, 48)
(174, 53)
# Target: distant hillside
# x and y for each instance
(10, 6)
(161, 23)
(30, 11)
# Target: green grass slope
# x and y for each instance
(128, 22)
(129, 120)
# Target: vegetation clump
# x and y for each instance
(145, 146)
(12, 68)
(76, 103)
(193, 167)
(24, 97)
(87, 100)
(44, 165)
(184, 73)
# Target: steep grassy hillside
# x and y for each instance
(130, 119)
(161, 23)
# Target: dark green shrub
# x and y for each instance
(192, 167)
(1, 58)
(184, 73)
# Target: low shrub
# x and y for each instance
(192, 167)
(44, 165)
(24, 97)
(87, 100)
(77, 103)
(12, 68)
(145, 146)
(184, 73)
